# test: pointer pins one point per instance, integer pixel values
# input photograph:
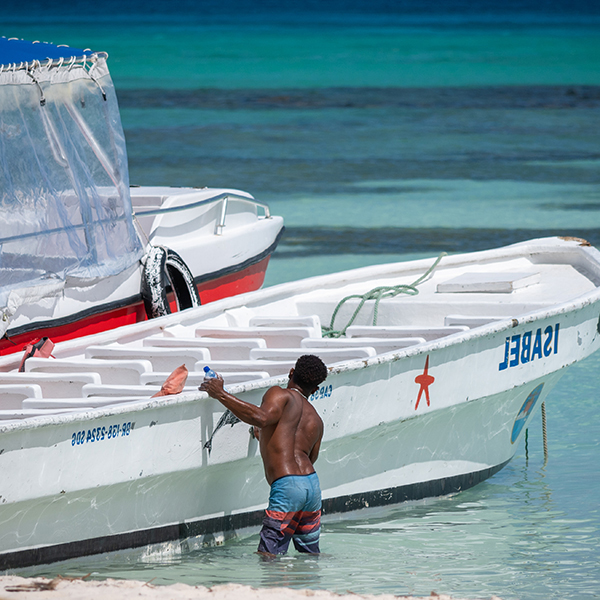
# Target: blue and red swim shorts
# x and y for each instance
(294, 513)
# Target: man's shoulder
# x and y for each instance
(276, 389)
(277, 393)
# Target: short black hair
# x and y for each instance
(309, 371)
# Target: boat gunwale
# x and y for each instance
(281, 291)
(155, 212)
(241, 197)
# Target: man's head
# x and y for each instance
(309, 372)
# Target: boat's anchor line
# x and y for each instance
(239, 521)
(544, 437)
(544, 433)
(165, 268)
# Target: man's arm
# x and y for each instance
(267, 413)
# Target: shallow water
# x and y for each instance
(382, 133)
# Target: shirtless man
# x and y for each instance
(290, 438)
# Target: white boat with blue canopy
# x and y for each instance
(436, 368)
(81, 251)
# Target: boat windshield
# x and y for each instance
(65, 208)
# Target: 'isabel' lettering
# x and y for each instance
(518, 349)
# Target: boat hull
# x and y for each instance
(154, 481)
(216, 503)
(429, 419)
(219, 243)
(104, 317)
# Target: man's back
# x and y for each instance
(308, 437)
(286, 445)
(277, 439)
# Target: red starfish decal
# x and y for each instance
(424, 380)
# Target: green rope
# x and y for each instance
(376, 294)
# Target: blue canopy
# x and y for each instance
(17, 51)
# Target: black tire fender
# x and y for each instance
(164, 268)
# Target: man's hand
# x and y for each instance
(213, 387)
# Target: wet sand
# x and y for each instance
(38, 588)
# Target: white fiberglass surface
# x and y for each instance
(64, 188)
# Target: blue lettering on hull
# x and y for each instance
(99, 434)
(323, 392)
(523, 348)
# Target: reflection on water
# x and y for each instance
(292, 570)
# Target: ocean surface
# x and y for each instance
(381, 131)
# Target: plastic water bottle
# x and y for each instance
(209, 374)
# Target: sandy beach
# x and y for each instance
(39, 588)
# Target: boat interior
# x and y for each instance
(116, 373)
(248, 343)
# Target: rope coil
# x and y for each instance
(377, 294)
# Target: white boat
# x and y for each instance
(431, 399)
(81, 252)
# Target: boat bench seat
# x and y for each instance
(274, 367)
(195, 379)
(161, 359)
(381, 345)
(275, 337)
(141, 391)
(391, 331)
(327, 355)
(76, 404)
(312, 321)
(12, 395)
(53, 385)
(220, 349)
(141, 197)
(28, 413)
(470, 321)
(125, 372)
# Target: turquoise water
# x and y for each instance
(381, 134)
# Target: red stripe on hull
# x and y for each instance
(237, 283)
(247, 280)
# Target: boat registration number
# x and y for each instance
(323, 392)
(100, 434)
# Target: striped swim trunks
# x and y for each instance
(294, 513)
